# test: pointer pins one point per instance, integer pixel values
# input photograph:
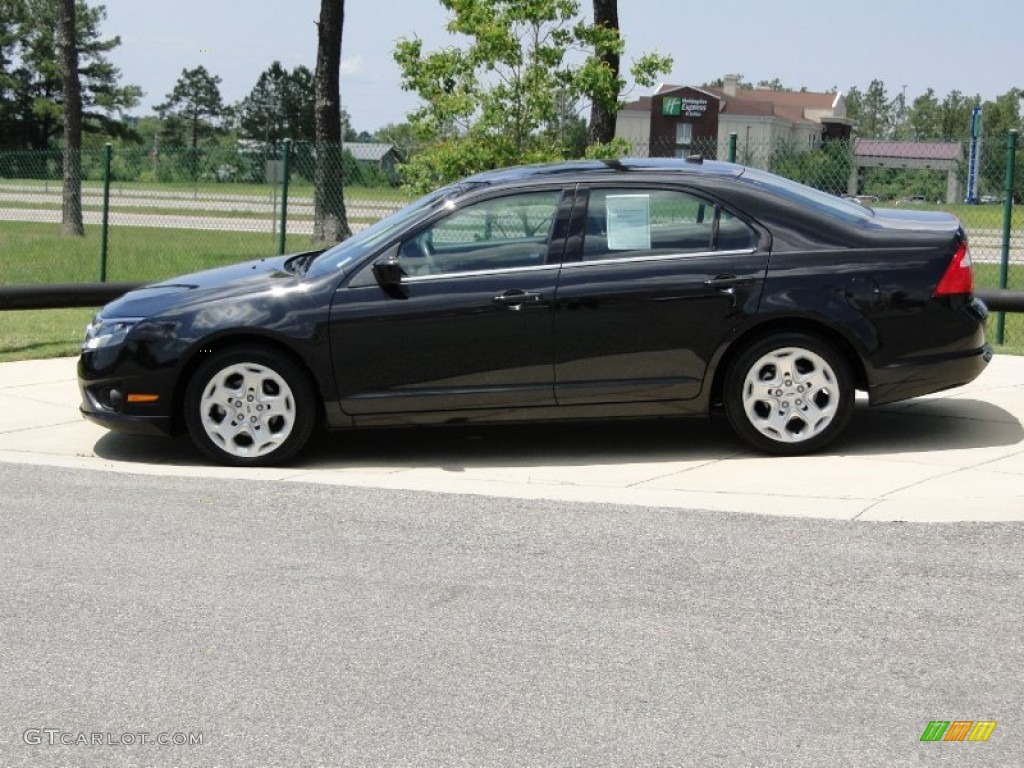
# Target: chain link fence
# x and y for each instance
(173, 211)
(178, 210)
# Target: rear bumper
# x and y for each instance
(924, 376)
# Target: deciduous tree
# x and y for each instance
(604, 107)
(925, 117)
(875, 119)
(956, 115)
(331, 222)
(71, 207)
(506, 97)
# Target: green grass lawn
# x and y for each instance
(41, 333)
(979, 216)
(37, 253)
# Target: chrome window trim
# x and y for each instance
(657, 257)
(477, 273)
(574, 265)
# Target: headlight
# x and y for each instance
(107, 332)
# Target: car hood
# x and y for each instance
(220, 283)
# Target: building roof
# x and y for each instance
(908, 150)
(747, 108)
(369, 151)
(666, 87)
(643, 104)
(786, 99)
(763, 102)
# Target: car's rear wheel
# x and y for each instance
(789, 394)
(249, 406)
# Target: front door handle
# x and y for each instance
(517, 299)
(727, 281)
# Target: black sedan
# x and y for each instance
(579, 290)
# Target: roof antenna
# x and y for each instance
(697, 158)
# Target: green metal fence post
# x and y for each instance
(732, 147)
(286, 153)
(1004, 261)
(106, 211)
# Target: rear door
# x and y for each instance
(655, 278)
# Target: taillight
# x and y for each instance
(959, 276)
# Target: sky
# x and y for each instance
(947, 45)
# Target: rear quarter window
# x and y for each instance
(814, 199)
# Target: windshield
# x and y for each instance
(340, 256)
(823, 202)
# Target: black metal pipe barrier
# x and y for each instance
(1001, 300)
(62, 295)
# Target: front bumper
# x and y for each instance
(107, 397)
(152, 426)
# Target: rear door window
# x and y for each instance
(636, 222)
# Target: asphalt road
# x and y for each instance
(290, 624)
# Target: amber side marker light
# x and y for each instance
(136, 398)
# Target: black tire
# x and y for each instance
(809, 407)
(250, 406)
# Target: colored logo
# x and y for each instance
(958, 730)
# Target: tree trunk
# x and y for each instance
(331, 221)
(602, 116)
(71, 208)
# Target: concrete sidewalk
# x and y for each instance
(955, 456)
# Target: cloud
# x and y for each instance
(353, 66)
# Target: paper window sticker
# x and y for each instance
(628, 222)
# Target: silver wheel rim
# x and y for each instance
(247, 410)
(791, 395)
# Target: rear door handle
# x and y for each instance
(517, 299)
(727, 281)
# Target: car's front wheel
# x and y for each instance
(789, 394)
(249, 406)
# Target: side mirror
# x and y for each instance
(388, 272)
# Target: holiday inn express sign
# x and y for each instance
(679, 106)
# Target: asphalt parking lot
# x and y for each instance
(436, 597)
(955, 456)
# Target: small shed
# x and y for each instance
(942, 156)
(383, 157)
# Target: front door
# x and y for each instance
(470, 325)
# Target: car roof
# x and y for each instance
(580, 170)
